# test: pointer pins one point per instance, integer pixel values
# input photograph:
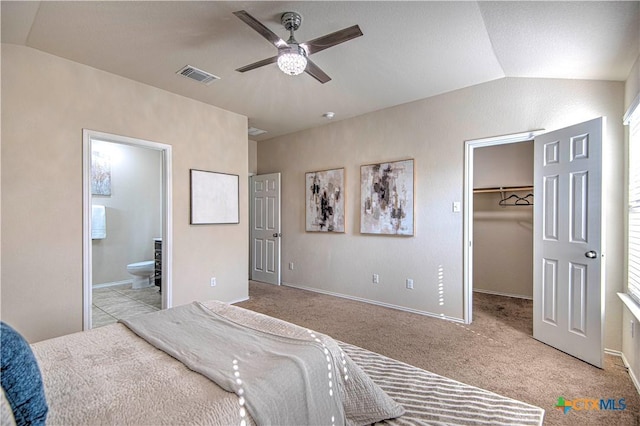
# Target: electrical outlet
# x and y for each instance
(409, 283)
(291, 266)
(213, 281)
(376, 279)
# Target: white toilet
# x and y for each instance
(142, 273)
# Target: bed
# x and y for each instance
(118, 375)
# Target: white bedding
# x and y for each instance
(110, 376)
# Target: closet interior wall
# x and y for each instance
(503, 220)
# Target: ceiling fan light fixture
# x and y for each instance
(292, 60)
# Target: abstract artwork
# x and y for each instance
(386, 205)
(325, 201)
(215, 198)
(100, 173)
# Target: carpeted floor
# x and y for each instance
(496, 352)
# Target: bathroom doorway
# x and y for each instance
(126, 227)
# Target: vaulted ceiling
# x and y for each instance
(409, 50)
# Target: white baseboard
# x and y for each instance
(634, 378)
(233, 302)
(112, 284)
(613, 352)
(497, 293)
(374, 302)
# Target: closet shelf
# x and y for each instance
(513, 199)
(502, 189)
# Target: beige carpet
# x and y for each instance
(496, 352)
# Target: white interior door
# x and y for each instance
(265, 228)
(568, 285)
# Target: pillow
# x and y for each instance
(20, 378)
(6, 415)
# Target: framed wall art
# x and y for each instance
(325, 201)
(386, 205)
(214, 198)
(100, 173)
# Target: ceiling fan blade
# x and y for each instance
(258, 64)
(329, 40)
(260, 28)
(314, 71)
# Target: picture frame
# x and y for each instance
(100, 173)
(325, 201)
(215, 198)
(387, 198)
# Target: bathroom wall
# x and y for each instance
(133, 210)
(503, 236)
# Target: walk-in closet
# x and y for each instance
(503, 220)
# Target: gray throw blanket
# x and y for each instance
(280, 380)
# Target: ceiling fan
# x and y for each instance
(293, 57)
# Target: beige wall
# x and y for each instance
(432, 131)
(46, 102)
(253, 157)
(631, 343)
(632, 85)
(503, 236)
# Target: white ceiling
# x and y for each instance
(409, 51)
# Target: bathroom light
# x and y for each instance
(292, 60)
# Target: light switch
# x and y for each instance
(456, 207)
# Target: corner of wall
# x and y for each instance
(253, 157)
(632, 84)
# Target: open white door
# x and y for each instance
(265, 228)
(568, 285)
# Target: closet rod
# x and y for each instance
(503, 189)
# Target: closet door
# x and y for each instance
(568, 284)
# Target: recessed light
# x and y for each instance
(329, 115)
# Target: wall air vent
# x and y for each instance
(198, 75)
(253, 131)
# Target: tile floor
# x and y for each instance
(121, 302)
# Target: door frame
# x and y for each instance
(469, 148)
(167, 215)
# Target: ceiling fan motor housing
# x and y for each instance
(291, 20)
(292, 59)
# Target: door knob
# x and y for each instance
(591, 254)
(277, 234)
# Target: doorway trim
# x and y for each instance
(469, 148)
(167, 217)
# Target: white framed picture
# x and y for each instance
(215, 198)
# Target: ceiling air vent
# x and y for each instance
(254, 131)
(198, 75)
